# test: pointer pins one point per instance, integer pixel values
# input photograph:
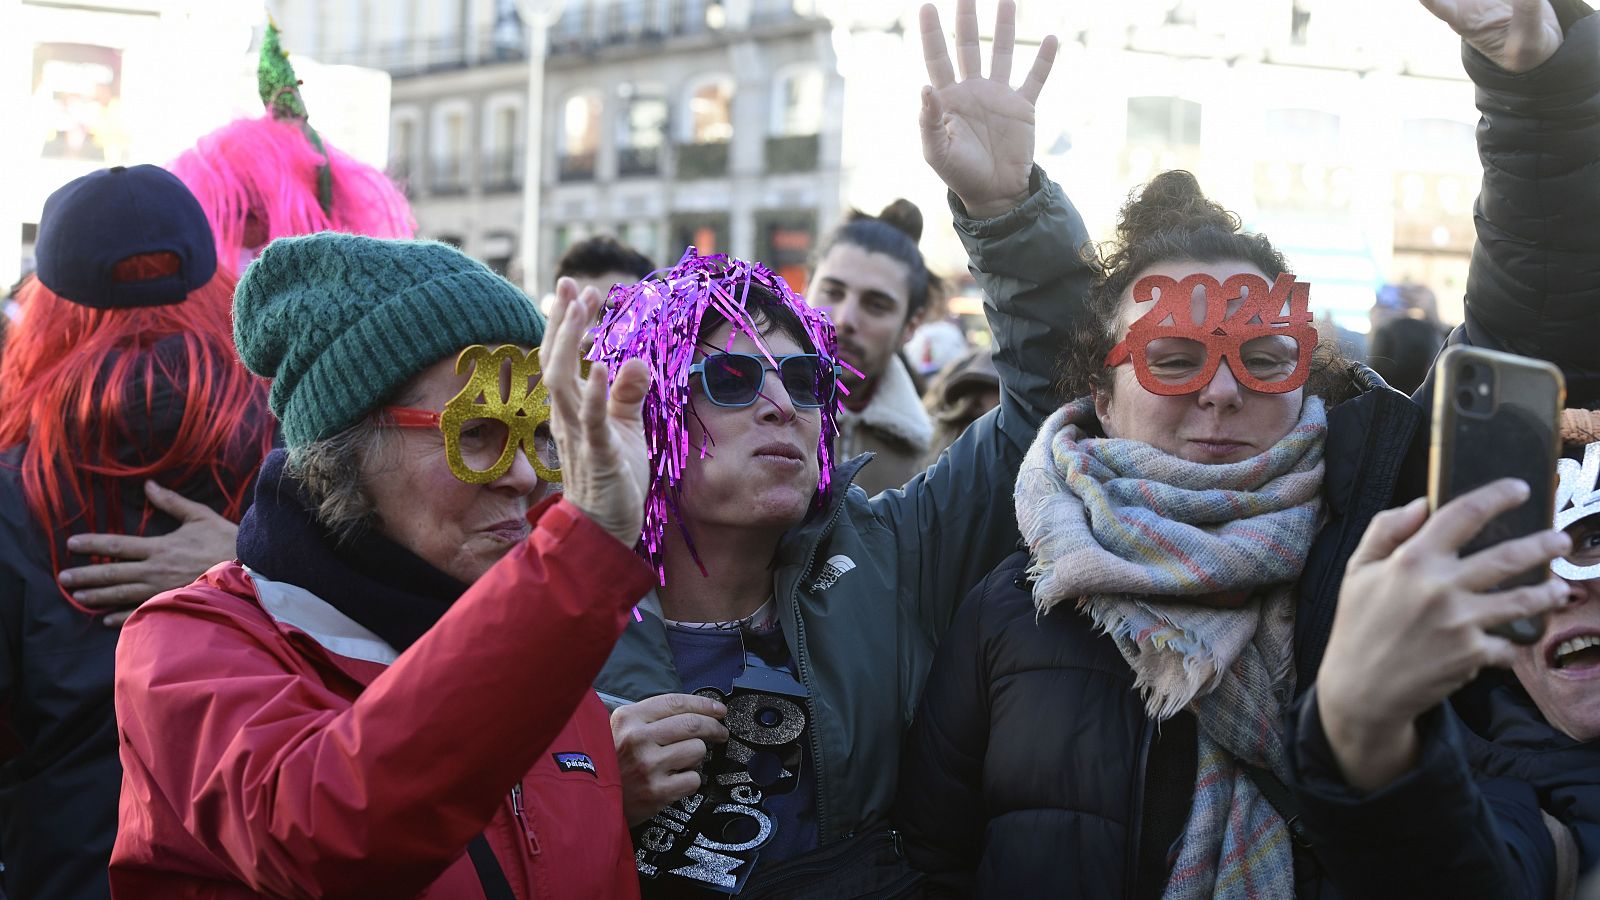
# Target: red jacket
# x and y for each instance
(271, 745)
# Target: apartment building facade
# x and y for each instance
(751, 126)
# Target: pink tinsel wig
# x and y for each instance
(659, 320)
(268, 168)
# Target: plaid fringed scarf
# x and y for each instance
(1189, 567)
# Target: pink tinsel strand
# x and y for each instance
(269, 168)
(658, 320)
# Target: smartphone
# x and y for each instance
(1497, 415)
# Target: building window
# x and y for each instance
(574, 25)
(1439, 144)
(450, 154)
(711, 112)
(643, 236)
(402, 147)
(1299, 22)
(624, 19)
(507, 40)
(580, 136)
(641, 129)
(1304, 178)
(706, 232)
(798, 105)
(784, 241)
(794, 144)
(710, 127)
(1303, 133)
(1169, 121)
(503, 163)
(497, 250)
(686, 16)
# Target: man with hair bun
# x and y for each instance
(872, 280)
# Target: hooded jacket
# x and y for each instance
(315, 761)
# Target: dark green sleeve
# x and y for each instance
(955, 522)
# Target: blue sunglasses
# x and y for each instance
(736, 379)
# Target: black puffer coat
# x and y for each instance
(1074, 792)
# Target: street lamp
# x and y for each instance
(536, 14)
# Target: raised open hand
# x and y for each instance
(1516, 35)
(977, 133)
(599, 433)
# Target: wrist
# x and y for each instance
(610, 525)
(985, 208)
(1372, 751)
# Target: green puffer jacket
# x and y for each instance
(866, 587)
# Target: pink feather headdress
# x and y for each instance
(265, 166)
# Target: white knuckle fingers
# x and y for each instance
(1410, 560)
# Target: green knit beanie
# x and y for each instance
(339, 321)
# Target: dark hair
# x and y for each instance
(1169, 220)
(770, 314)
(1402, 351)
(598, 255)
(894, 232)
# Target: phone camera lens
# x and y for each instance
(1465, 398)
(1468, 372)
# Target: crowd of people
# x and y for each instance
(330, 566)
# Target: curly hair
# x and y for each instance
(1171, 219)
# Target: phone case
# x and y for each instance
(1510, 430)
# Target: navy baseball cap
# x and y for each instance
(124, 237)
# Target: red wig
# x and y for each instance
(82, 387)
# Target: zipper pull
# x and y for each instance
(517, 810)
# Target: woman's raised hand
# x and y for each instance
(1413, 624)
(977, 133)
(1516, 35)
(599, 434)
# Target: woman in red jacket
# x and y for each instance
(388, 693)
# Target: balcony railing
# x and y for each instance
(702, 160)
(637, 161)
(502, 170)
(771, 12)
(792, 153)
(448, 175)
(575, 167)
(505, 43)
